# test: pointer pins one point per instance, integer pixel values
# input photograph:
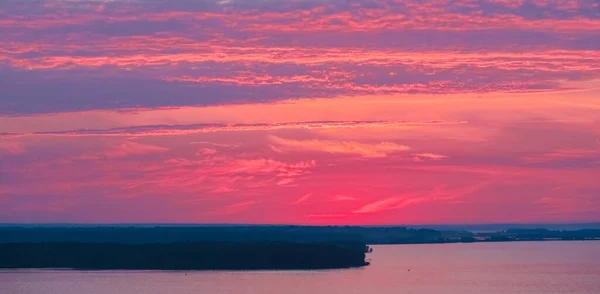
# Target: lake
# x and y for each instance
(507, 268)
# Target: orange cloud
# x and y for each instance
(129, 148)
(430, 156)
(340, 147)
(177, 130)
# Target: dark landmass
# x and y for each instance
(229, 247)
(182, 256)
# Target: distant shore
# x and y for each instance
(144, 234)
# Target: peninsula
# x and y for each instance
(182, 256)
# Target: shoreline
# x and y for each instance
(484, 242)
(489, 241)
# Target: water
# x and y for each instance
(507, 268)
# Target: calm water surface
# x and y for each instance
(526, 267)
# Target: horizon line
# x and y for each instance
(284, 224)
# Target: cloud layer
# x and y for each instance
(311, 112)
(82, 55)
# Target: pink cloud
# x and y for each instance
(224, 189)
(564, 154)
(302, 199)
(266, 166)
(14, 148)
(430, 156)
(220, 174)
(366, 150)
(180, 130)
(236, 208)
(129, 148)
(207, 151)
(387, 204)
(344, 198)
(440, 194)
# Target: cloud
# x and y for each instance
(224, 189)
(318, 15)
(265, 165)
(215, 144)
(562, 205)
(430, 156)
(12, 147)
(228, 174)
(170, 105)
(344, 198)
(177, 130)
(387, 204)
(207, 151)
(563, 155)
(188, 54)
(307, 198)
(376, 150)
(200, 175)
(236, 208)
(133, 149)
(436, 195)
(82, 83)
(302, 199)
(120, 151)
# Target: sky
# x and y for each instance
(300, 112)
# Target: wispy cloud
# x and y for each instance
(563, 155)
(178, 130)
(430, 156)
(437, 195)
(207, 151)
(302, 199)
(236, 208)
(387, 204)
(130, 148)
(374, 150)
(344, 198)
(14, 148)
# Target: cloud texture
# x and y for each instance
(302, 111)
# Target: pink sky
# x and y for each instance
(300, 112)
